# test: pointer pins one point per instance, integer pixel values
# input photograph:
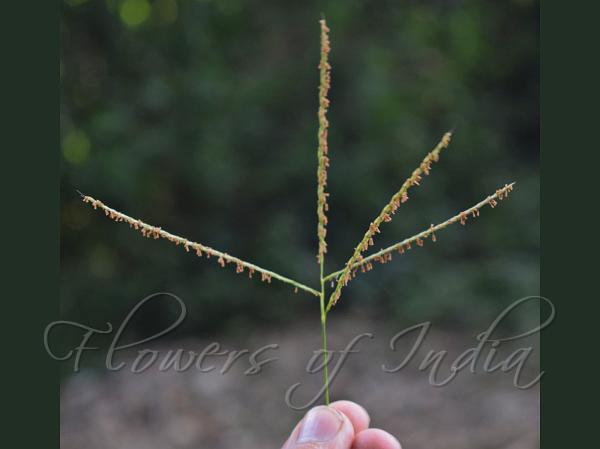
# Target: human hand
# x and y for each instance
(342, 425)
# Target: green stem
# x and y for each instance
(324, 334)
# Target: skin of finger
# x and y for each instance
(292, 437)
(343, 440)
(375, 439)
(357, 415)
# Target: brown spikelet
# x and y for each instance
(431, 231)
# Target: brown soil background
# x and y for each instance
(158, 410)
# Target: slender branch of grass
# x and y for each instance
(223, 258)
(386, 215)
(322, 206)
(384, 255)
(322, 150)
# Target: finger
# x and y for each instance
(357, 415)
(375, 439)
(322, 428)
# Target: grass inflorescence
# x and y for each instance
(357, 262)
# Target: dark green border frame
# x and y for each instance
(569, 142)
(29, 181)
(30, 221)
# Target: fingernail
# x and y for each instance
(320, 425)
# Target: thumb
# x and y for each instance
(322, 428)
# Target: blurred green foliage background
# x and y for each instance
(200, 116)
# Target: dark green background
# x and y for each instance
(200, 117)
(30, 223)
